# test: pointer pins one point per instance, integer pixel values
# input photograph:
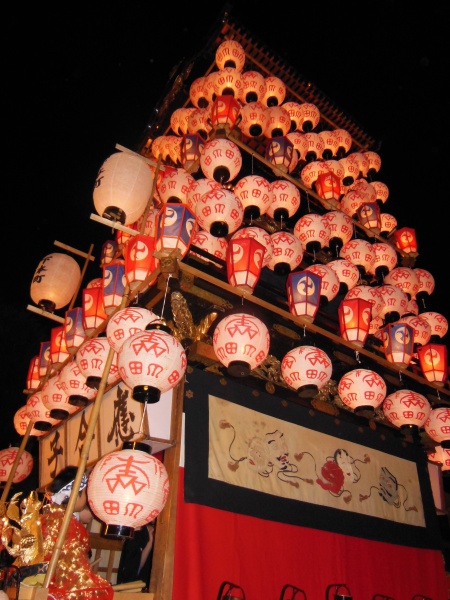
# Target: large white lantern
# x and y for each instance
(241, 343)
(406, 409)
(123, 187)
(55, 398)
(55, 281)
(7, 458)
(437, 426)
(91, 358)
(306, 369)
(221, 160)
(361, 389)
(127, 489)
(126, 322)
(74, 384)
(151, 362)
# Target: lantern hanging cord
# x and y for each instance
(165, 295)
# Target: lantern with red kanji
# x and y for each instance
(91, 358)
(306, 369)
(362, 389)
(407, 410)
(24, 467)
(437, 426)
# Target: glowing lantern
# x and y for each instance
(253, 119)
(175, 185)
(175, 226)
(198, 189)
(39, 413)
(278, 122)
(256, 196)
(362, 389)
(253, 87)
(372, 294)
(22, 419)
(303, 294)
(260, 234)
(306, 369)
(286, 200)
(192, 145)
(433, 362)
(109, 252)
(179, 124)
(344, 142)
(310, 172)
(438, 323)
(341, 229)
(351, 169)
(91, 359)
(197, 94)
(295, 114)
(220, 212)
(208, 87)
(360, 253)
(131, 477)
(330, 285)
(346, 272)
(44, 359)
(315, 147)
(441, 456)
(406, 409)
(313, 232)
(230, 53)
(388, 224)
(354, 320)
(287, 252)
(280, 153)
(437, 426)
(395, 302)
(93, 310)
(275, 91)
(241, 343)
(114, 283)
(140, 261)
(374, 161)
(126, 322)
(244, 262)
(123, 187)
(225, 114)
(352, 202)
(310, 117)
(381, 192)
(421, 327)
(398, 342)
(73, 324)
(426, 284)
(385, 259)
(56, 400)
(221, 160)
(228, 82)
(404, 278)
(58, 348)
(55, 281)
(300, 143)
(215, 246)
(369, 216)
(33, 380)
(7, 458)
(73, 382)
(405, 240)
(328, 188)
(199, 123)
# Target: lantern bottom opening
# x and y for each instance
(42, 425)
(307, 391)
(47, 305)
(117, 531)
(146, 393)
(93, 382)
(238, 368)
(114, 213)
(59, 413)
(78, 400)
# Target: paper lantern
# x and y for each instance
(230, 53)
(385, 259)
(126, 322)
(438, 324)
(381, 192)
(303, 294)
(406, 409)
(278, 122)
(244, 260)
(73, 324)
(260, 234)
(280, 153)
(285, 200)
(404, 278)
(175, 226)
(220, 212)
(56, 400)
(22, 419)
(341, 229)
(44, 359)
(210, 244)
(224, 114)
(287, 252)
(73, 382)
(354, 320)
(253, 87)
(421, 328)
(345, 142)
(398, 343)
(33, 380)
(306, 369)
(300, 143)
(395, 302)
(374, 161)
(114, 284)
(315, 147)
(199, 123)
(39, 413)
(311, 171)
(200, 187)
(313, 232)
(405, 240)
(372, 294)
(228, 82)
(140, 261)
(426, 284)
(310, 117)
(256, 195)
(221, 160)
(174, 186)
(24, 467)
(253, 119)
(241, 343)
(55, 281)
(123, 187)
(151, 362)
(275, 91)
(360, 253)
(440, 456)
(328, 188)
(434, 363)
(362, 389)
(329, 287)
(330, 143)
(437, 426)
(127, 489)
(346, 272)
(93, 309)
(197, 93)
(388, 224)
(192, 145)
(91, 359)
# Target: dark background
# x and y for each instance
(80, 79)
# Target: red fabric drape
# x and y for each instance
(262, 556)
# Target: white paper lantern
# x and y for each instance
(256, 195)
(220, 212)
(437, 426)
(313, 232)
(74, 384)
(91, 358)
(56, 400)
(362, 389)
(127, 489)
(39, 413)
(126, 322)
(306, 369)
(24, 467)
(406, 409)
(21, 421)
(230, 53)
(221, 160)
(287, 252)
(55, 281)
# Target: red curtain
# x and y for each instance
(262, 556)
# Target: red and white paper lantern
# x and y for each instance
(306, 369)
(24, 467)
(406, 409)
(91, 358)
(126, 322)
(362, 389)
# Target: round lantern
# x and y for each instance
(228, 82)
(372, 294)
(426, 284)
(404, 278)
(73, 324)
(374, 161)
(438, 323)
(198, 123)
(440, 456)
(299, 142)
(73, 382)
(385, 259)
(388, 224)
(174, 186)
(351, 169)
(260, 234)
(306, 369)
(91, 358)
(197, 93)
(341, 229)
(151, 362)
(295, 114)
(198, 188)
(22, 419)
(346, 272)
(253, 87)
(313, 232)
(253, 119)
(278, 122)
(311, 172)
(123, 187)
(275, 91)
(127, 489)
(315, 147)
(221, 160)
(256, 195)
(210, 244)
(437, 426)
(230, 53)
(285, 200)
(39, 413)
(395, 302)
(407, 410)
(55, 281)
(354, 320)
(381, 192)
(345, 142)
(126, 322)
(360, 253)
(208, 87)
(220, 212)
(329, 287)
(7, 458)
(352, 202)
(287, 252)
(241, 343)
(310, 117)
(179, 124)
(330, 144)
(56, 400)
(362, 389)
(421, 327)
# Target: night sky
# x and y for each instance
(78, 82)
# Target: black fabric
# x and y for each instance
(210, 492)
(131, 557)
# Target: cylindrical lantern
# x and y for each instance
(372, 294)
(123, 187)
(303, 294)
(114, 283)
(126, 322)
(433, 362)
(73, 382)
(398, 342)
(55, 281)
(73, 324)
(437, 426)
(33, 380)
(175, 226)
(313, 232)
(287, 252)
(244, 259)
(306, 369)
(44, 359)
(362, 389)
(285, 200)
(192, 145)
(91, 358)
(280, 152)
(127, 489)
(406, 409)
(151, 362)
(241, 343)
(405, 240)
(7, 458)
(56, 400)
(354, 320)
(260, 234)
(328, 188)
(140, 261)
(220, 212)
(39, 413)
(93, 310)
(221, 160)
